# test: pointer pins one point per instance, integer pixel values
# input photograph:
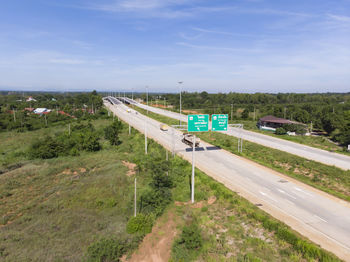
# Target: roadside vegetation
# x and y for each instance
(329, 113)
(330, 179)
(80, 207)
(320, 142)
(18, 114)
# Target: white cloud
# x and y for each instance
(340, 18)
(67, 61)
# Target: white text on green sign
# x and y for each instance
(219, 122)
(198, 123)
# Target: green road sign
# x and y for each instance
(219, 122)
(198, 123)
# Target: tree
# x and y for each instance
(280, 131)
(112, 132)
(245, 114)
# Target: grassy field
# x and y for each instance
(330, 179)
(314, 141)
(232, 229)
(53, 210)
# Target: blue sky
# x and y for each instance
(216, 46)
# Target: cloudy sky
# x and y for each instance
(216, 46)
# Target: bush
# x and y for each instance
(191, 237)
(140, 224)
(107, 250)
(155, 201)
(281, 131)
(45, 148)
(112, 132)
(298, 129)
(82, 138)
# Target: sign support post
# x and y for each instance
(193, 168)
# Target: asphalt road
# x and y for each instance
(319, 155)
(322, 218)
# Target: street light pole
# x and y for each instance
(146, 136)
(180, 100)
(192, 178)
(135, 199)
(147, 98)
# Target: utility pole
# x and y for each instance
(135, 199)
(166, 155)
(45, 120)
(146, 136)
(231, 111)
(180, 100)
(284, 116)
(147, 98)
(254, 113)
(193, 168)
(14, 115)
(311, 127)
(129, 129)
(173, 140)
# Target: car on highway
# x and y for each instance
(164, 127)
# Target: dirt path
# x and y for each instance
(156, 246)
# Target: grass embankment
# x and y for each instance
(229, 228)
(313, 141)
(53, 210)
(330, 179)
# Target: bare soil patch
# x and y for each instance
(156, 246)
(190, 112)
(131, 167)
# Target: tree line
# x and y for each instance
(325, 112)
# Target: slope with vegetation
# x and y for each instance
(330, 179)
(329, 113)
(79, 207)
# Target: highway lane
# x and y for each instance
(322, 218)
(311, 153)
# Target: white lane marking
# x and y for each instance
(321, 218)
(300, 190)
(266, 195)
(283, 192)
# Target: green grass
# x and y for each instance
(232, 229)
(330, 179)
(14, 144)
(54, 209)
(313, 141)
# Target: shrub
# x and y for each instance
(140, 224)
(112, 132)
(281, 131)
(191, 237)
(45, 148)
(299, 129)
(106, 250)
